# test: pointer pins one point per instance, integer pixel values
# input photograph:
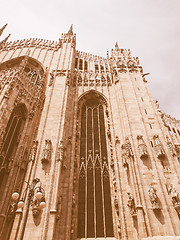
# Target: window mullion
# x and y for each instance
(94, 182)
(12, 120)
(86, 157)
(12, 136)
(102, 189)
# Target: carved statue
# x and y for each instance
(174, 195)
(33, 150)
(128, 147)
(158, 147)
(142, 147)
(60, 152)
(124, 155)
(131, 204)
(46, 156)
(153, 197)
(52, 76)
(177, 149)
(170, 146)
(116, 205)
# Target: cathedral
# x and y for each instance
(85, 151)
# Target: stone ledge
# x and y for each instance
(107, 238)
(162, 238)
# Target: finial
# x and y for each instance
(116, 46)
(2, 29)
(4, 41)
(70, 32)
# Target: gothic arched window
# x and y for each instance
(12, 132)
(94, 206)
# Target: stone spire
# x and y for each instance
(116, 46)
(4, 41)
(2, 29)
(70, 32)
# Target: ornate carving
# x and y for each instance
(116, 205)
(131, 204)
(109, 132)
(142, 147)
(158, 147)
(132, 66)
(46, 155)
(93, 79)
(177, 149)
(60, 152)
(33, 152)
(117, 140)
(174, 197)
(52, 76)
(121, 66)
(153, 197)
(171, 147)
(124, 155)
(126, 152)
(33, 42)
(128, 148)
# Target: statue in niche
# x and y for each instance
(126, 152)
(46, 156)
(153, 197)
(124, 155)
(60, 152)
(174, 195)
(170, 146)
(131, 204)
(128, 147)
(142, 147)
(33, 150)
(116, 205)
(177, 149)
(52, 76)
(158, 147)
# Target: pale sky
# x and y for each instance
(150, 28)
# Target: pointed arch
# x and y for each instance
(94, 199)
(13, 128)
(33, 69)
(92, 94)
(13, 62)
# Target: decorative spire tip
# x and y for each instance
(2, 29)
(71, 30)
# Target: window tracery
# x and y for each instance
(12, 131)
(94, 207)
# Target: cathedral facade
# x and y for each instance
(85, 151)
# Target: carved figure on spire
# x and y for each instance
(116, 46)
(70, 32)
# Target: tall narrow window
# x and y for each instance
(76, 62)
(96, 67)
(11, 135)
(80, 64)
(85, 65)
(94, 207)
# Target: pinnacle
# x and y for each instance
(2, 29)
(116, 46)
(4, 41)
(70, 32)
